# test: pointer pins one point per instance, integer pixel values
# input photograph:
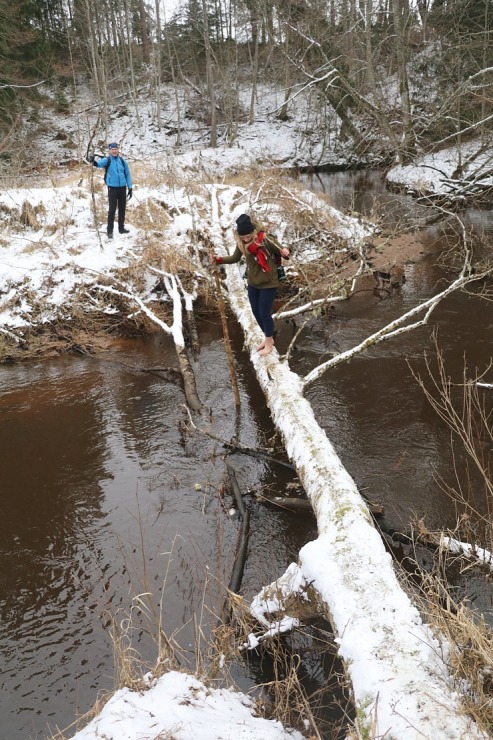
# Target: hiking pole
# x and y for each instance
(227, 341)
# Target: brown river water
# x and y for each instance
(107, 495)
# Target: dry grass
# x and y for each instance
(466, 411)
(278, 190)
(29, 215)
(469, 639)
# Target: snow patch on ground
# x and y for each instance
(433, 172)
(181, 706)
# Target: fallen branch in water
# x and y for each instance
(238, 447)
(175, 330)
(171, 374)
(395, 328)
(242, 544)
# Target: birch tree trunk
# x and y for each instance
(378, 630)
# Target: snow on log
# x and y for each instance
(400, 680)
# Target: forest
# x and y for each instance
(390, 79)
(366, 85)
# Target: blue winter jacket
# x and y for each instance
(118, 175)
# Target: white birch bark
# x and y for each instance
(400, 681)
(175, 330)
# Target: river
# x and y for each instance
(107, 494)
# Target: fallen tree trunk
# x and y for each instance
(241, 549)
(399, 679)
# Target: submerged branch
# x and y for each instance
(242, 545)
(238, 447)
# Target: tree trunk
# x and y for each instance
(375, 624)
(146, 56)
(210, 79)
(407, 150)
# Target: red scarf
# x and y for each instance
(260, 256)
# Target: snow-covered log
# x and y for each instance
(395, 663)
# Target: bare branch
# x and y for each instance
(309, 306)
(395, 327)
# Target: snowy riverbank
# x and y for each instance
(49, 267)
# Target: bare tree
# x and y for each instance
(209, 76)
(146, 53)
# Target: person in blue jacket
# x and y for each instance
(118, 179)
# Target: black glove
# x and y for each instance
(129, 194)
(91, 159)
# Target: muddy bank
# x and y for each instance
(89, 332)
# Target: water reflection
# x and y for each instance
(96, 462)
(105, 497)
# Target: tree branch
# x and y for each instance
(395, 327)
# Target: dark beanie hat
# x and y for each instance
(113, 145)
(244, 225)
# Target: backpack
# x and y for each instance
(281, 272)
(107, 166)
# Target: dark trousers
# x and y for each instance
(261, 301)
(116, 197)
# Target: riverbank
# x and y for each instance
(60, 268)
(55, 253)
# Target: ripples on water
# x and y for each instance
(95, 457)
(95, 462)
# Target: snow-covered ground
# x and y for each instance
(438, 172)
(178, 705)
(43, 267)
(306, 138)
